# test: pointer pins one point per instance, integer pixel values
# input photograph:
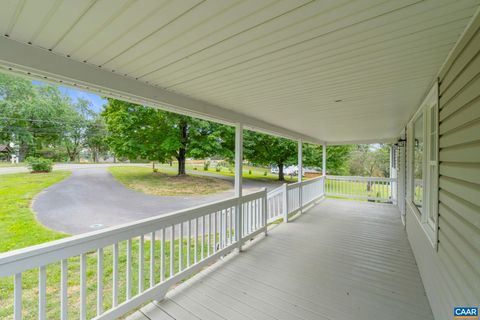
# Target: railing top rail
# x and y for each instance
(358, 178)
(254, 195)
(26, 258)
(309, 181)
(275, 191)
(296, 184)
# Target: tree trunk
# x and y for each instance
(182, 152)
(181, 161)
(22, 152)
(281, 176)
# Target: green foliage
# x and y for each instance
(41, 120)
(39, 164)
(337, 157)
(141, 132)
(206, 164)
(370, 160)
(265, 149)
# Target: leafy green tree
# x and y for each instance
(96, 137)
(136, 131)
(337, 157)
(30, 116)
(265, 149)
(370, 160)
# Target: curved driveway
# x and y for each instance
(93, 199)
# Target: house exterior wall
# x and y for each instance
(451, 273)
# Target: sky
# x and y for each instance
(97, 102)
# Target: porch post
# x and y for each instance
(300, 174)
(238, 182)
(324, 168)
(324, 159)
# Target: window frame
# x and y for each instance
(428, 217)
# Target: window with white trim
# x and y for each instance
(423, 164)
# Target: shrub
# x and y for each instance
(206, 164)
(194, 168)
(249, 171)
(265, 173)
(39, 164)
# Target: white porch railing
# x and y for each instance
(133, 263)
(286, 199)
(365, 188)
(107, 273)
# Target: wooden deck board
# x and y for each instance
(340, 260)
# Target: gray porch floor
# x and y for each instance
(340, 260)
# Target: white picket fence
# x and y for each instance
(363, 188)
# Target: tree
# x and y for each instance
(337, 157)
(266, 150)
(77, 120)
(30, 116)
(95, 137)
(141, 132)
(370, 160)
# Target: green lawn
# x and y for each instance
(19, 228)
(18, 225)
(167, 183)
(358, 189)
(249, 172)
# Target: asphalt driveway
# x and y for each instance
(93, 199)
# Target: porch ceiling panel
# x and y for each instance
(332, 70)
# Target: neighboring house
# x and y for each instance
(5, 152)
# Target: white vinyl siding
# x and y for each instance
(451, 275)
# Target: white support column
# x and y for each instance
(300, 173)
(324, 168)
(238, 159)
(324, 159)
(239, 182)
(300, 161)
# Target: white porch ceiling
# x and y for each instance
(331, 70)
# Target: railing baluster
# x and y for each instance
(64, 290)
(221, 230)
(172, 250)
(203, 237)
(209, 234)
(152, 259)
(99, 281)
(180, 248)
(83, 286)
(42, 293)
(162, 256)
(141, 260)
(129, 269)
(115, 275)
(17, 300)
(215, 231)
(189, 227)
(231, 226)
(196, 241)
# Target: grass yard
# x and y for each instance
(357, 190)
(30, 280)
(19, 229)
(249, 172)
(167, 183)
(18, 225)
